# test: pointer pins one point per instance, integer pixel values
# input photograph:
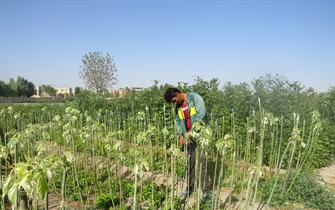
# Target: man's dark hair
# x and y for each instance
(170, 93)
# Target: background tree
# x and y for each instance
(77, 90)
(24, 87)
(19, 87)
(12, 87)
(98, 72)
(4, 89)
(47, 90)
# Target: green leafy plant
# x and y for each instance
(311, 190)
(104, 201)
(307, 189)
(108, 136)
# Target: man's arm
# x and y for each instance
(178, 125)
(200, 107)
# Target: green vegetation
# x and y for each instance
(19, 87)
(108, 152)
(46, 90)
(307, 188)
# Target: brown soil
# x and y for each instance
(328, 175)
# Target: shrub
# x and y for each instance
(104, 201)
(308, 189)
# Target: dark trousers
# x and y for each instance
(191, 168)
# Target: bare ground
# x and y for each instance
(328, 175)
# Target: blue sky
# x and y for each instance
(169, 41)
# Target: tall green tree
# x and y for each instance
(77, 90)
(47, 90)
(280, 95)
(98, 72)
(4, 89)
(12, 87)
(326, 148)
(24, 87)
(19, 87)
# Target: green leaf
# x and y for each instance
(12, 194)
(26, 183)
(20, 169)
(6, 185)
(42, 186)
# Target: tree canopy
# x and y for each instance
(24, 87)
(19, 87)
(46, 90)
(98, 72)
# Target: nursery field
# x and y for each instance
(264, 150)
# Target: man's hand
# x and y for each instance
(189, 134)
(182, 140)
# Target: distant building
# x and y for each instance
(137, 88)
(122, 92)
(64, 91)
(119, 92)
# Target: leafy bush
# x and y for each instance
(87, 101)
(153, 193)
(266, 188)
(307, 189)
(104, 201)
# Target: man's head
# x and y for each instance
(173, 95)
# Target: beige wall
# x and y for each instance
(64, 90)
